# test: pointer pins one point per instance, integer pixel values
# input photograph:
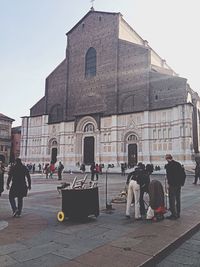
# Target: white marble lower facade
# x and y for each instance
(152, 134)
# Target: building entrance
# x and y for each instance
(54, 152)
(2, 158)
(88, 150)
(132, 155)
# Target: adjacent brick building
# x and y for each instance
(15, 143)
(5, 138)
(112, 99)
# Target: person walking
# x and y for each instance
(197, 172)
(92, 170)
(33, 168)
(97, 171)
(175, 179)
(18, 175)
(123, 169)
(52, 170)
(2, 170)
(39, 167)
(60, 170)
(82, 168)
(47, 170)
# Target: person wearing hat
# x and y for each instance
(175, 179)
(18, 175)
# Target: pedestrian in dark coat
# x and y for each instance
(60, 170)
(197, 172)
(175, 179)
(18, 175)
(92, 170)
(2, 170)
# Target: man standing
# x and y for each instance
(176, 179)
(92, 170)
(60, 170)
(197, 172)
(19, 188)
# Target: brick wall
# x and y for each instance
(96, 94)
(166, 91)
(133, 78)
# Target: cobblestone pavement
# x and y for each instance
(187, 254)
(38, 239)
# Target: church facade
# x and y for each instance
(112, 99)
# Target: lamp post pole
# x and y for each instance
(108, 206)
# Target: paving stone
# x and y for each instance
(186, 253)
(126, 242)
(6, 260)
(73, 263)
(35, 252)
(184, 260)
(166, 263)
(72, 252)
(117, 259)
(3, 224)
(196, 236)
(48, 260)
(192, 245)
(109, 240)
(7, 249)
(46, 236)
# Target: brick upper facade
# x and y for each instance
(126, 80)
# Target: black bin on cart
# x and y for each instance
(79, 203)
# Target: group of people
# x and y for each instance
(139, 182)
(95, 169)
(49, 170)
(32, 167)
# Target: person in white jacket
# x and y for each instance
(135, 179)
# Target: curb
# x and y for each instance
(171, 247)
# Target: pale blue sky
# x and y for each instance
(33, 41)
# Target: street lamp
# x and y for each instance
(108, 206)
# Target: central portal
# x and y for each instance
(132, 155)
(88, 157)
(54, 155)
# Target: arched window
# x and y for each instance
(54, 143)
(90, 63)
(132, 138)
(89, 127)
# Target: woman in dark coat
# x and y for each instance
(18, 175)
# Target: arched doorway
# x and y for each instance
(132, 155)
(54, 153)
(132, 150)
(53, 148)
(86, 135)
(88, 150)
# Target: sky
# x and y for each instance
(33, 41)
